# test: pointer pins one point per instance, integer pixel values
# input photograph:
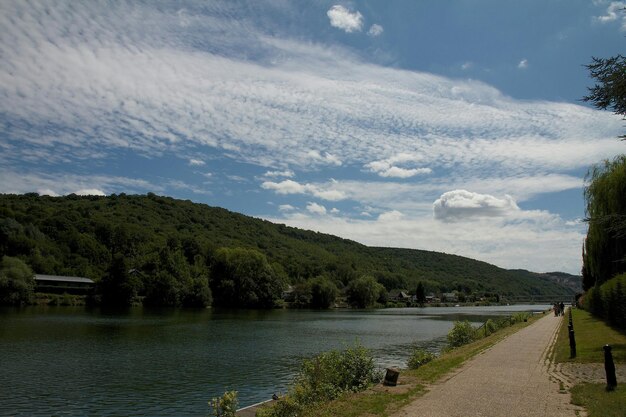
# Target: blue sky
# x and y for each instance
(453, 126)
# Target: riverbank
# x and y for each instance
(382, 401)
(584, 376)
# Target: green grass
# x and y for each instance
(382, 403)
(591, 335)
(599, 402)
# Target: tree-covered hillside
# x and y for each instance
(162, 239)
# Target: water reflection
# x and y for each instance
(73, 361)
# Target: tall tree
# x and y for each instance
(605, 244)
(364, 291)
(17, 281)
(420, 294)
(609, 92)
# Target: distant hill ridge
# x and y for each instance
(76, 235)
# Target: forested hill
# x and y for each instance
(80, 235)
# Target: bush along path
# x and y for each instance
(510, 379)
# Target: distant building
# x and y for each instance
(59, 284)
(399, 295)
(450, 296)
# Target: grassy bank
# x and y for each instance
(382, 401)
(591, 335)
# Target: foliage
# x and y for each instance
(604, 253)
(80, 235)
(420, 357)
(610, 90)
(325, 377)
(244, 278)
(608, 301)
(323, 292)
(224, 406)
(118, 287)
(17, 281)
(363, 292)
(461, 334)
(420, 293)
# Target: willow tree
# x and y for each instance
(604, 254)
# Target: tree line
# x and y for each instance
(172, 252)
(604, 248)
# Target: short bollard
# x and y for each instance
(391, 377)
(609, 368)
(572, 343)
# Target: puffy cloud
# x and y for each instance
(90, 191)
(196, 162)
(293, 187)
(286, 207)
(537, 241)
(344, 19)
(316, 209)
(461, 204)
(375, 30)
(523, 64)
(387, 167)
(389, 216)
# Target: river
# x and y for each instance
(70, 361)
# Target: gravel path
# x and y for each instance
(510, 379)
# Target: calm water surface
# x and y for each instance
(68, 361)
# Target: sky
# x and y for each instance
(455, 126)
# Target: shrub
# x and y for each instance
(490, 327)
(520, 317)
(461, 334)
(224, 406)
(420, 357)
(17, 282)
(324, 378)
(329, 374)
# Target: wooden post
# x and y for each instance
(609, 368)
(572, 343)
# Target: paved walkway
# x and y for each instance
(510, 379)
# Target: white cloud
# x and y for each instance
(460, 205)
(286, 207)
(523, 64)
(293, 187)
(55, 184)
(47, 191)
(325, 158)
(614, 12)
(196, 162)
(537, 241)
(375, 30)
(389, 216)
(387, 167)
(273, 174)
(467, 65)
(90, 191)
(344, 19)
(316, 209)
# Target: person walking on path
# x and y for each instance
(509, 379)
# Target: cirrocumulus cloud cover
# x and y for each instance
(452, 127)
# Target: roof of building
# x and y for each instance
(40, 277)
